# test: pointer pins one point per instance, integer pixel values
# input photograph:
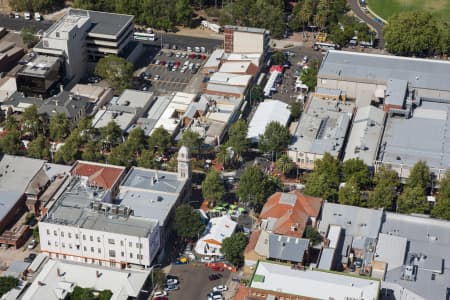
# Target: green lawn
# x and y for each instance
(386, 8)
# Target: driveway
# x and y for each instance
(378, 27)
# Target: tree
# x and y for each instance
(223, 156)
(254, 187)
(350, 194)
(105, 295)
(110, 135)
(356, 168)
(29, 37)
(192, 140)
(116, 70)
(32, 124)
(278, 58)
(275, 139)
(285, 164)
(11, 142)
(184, 12)
(121, 155)
(257, 94)
(69, 152)
(188, 224)
(59, 126)
(135, 141)
(36, 5)
(237, 137)
(296, 110)
(39, 148)
(7, 283)
(441, 208)
(80, 293)
(324, 180)
(413, 33)
(313, 235)
(233, 248)
(309, 77)
(412, 200)
(11, 123)
(386, 184)
(160, 140)
(147, 159)
(92, 152)
(419, 176)
(212, 187)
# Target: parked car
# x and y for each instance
(178, 54)
(160, 298)
(220, 288)
(203, 49)
(30, 258)
(156, 77)
(207, 259)
(169, 288)
(172, 281)
(215, 297)
(32, 244)
(27, 15)
(160, 294)
(305, 59)
(172, 277)
(189, 49)
(157, 62)
(162, 63)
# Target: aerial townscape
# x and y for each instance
(224, 150)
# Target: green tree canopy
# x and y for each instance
(11, 142)
(7, 283)
(188, 224)
(160, 140)
(110, 135)
(350, 194)
(233, 248)
(39, 148)
(135, 141)
(184, 12)
(237, 137)
(285, 164)
(59, 127)
(414, 33)
(324, 180)
(36, 5)
(313, 235)
(296, 110)
(309, 77)
(29, 37)
(192, 140)
(441, 209)
(356, 168)
(276, 138)
(257, 94)
(116, 70)
(212, 187)
(92, 152)
(70, 151)
(412, 200)
(384, 194)
(32, 123)
(147, 159)
(419, 176)
(121, 155)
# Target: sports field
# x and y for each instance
(386, 8)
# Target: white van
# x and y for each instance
(27, 15)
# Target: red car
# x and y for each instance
(192, 56)
(160, 298)
(217, 268)
(163, 63)
(177, 63)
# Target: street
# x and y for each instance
(354, 5)
(18, 24)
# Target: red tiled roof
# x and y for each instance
(291, 216)
(98, 175)
(254, 237)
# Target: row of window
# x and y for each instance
(112, 253)
(91, 238)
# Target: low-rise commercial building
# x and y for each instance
(267, 111)
(239, 39)
(322, 128)
(9, 55)
(228, 84)
(218, 229)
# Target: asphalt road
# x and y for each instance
(18, 24)
(354, 5)
(182, 41)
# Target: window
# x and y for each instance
(138, 245)
(70, 235)
(56, 244)
(122, 254)
(140, 256)
(48, 231)
(63, 245)
(48, 242)
(98, 239)
(111, 241)
(78, 247)
(62, 233)
(99, 250)
(131, 255)
(112, 253)
(70, 246)
(92, 249)
(54, 233)
(130, 244)
(84, 248)
(84, 237)
(91, 238)
(121, 243)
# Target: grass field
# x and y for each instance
(386, 8)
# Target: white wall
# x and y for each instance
(246, 42)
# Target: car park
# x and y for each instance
(220, 288)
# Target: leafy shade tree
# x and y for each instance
(160, 140)
(223, 156)
(233, 248)
(309, 77)
(255, 187)
(275, 139)
(278, 58)
(116, 70)
(386, 184)
(184, 12)
(69, 152)
(356, 168)
(192, 140)
(135, 141)
(105, 295)
(39, 148)
(296, 110)
(32, 124)
(350, 194)
(313, 235)
(284, 164)
(7, 283)
(59, 127)
(29, 37)
(121, 156)
(412, 200)
(302, 14)
(92, 152)
(212, 187)
(110, 135)
(80, 293)
(11, 123)
(257, 94)
(147, 159)
(188, 224)
(441, 209)
(11, 142)
(413, 33)
(36, 5)
(237, 137)
(419, 176)
(324, 180)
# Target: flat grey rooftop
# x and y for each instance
(429, 238)
(420, 73)
(287, 248)
(72, 208)
(396, 92)
(246, 29)
(16, 172)
(40, 65)
(7, 201)
(425, 136)
(153, 180)
(106, 23)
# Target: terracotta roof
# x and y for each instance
(98, 175)
(254, 237)
(292, 211)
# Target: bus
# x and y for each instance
(324, 46)
(144, 36)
